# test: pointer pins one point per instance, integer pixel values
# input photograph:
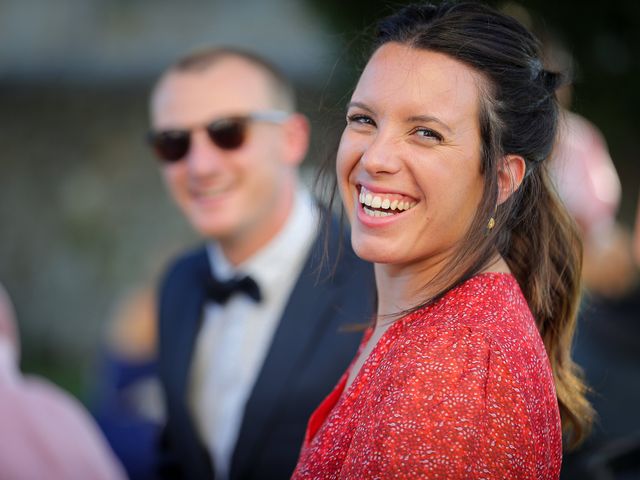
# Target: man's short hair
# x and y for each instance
(204, 58)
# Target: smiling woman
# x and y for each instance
(466, 372)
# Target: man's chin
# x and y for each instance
(213, 233)
(215, 230)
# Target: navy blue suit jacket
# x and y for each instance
(308, 354)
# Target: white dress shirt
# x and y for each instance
(235, 337)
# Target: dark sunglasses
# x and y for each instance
(226, 133)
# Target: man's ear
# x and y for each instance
(297, 134)
(510, 175)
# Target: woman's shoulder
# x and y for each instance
(486, 316)
(485, 293)
(481, 333)
(488, 307)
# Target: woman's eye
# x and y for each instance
(428, 133)
(358, 118)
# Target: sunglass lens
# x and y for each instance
(170, 146)
(227, 134)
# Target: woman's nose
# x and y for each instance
(381, 155)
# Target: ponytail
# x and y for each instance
(545, 256)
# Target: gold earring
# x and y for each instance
(491, 224)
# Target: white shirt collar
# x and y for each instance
(297, 234)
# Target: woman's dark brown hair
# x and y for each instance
(533, 232)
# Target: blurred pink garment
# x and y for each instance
(44, 432)
(584, 174)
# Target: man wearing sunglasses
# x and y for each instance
(249, 323)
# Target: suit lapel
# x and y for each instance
(188, 319)
(299, 326)
(180, 320)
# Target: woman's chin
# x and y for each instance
(374, 253)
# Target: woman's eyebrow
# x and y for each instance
(429, 118)
(359, 105)
(413, 118)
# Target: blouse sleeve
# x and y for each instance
(443, 408)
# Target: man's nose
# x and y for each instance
(203, 157)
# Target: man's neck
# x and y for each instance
(245, 245)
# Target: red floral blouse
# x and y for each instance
(461, 389)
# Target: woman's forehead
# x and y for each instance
(419, 82)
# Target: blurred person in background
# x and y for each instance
(45, 433)
(249, 339)
(126, 397)
(588, 183)
(607, 343)
(607, 346)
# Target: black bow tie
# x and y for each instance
(221, 291)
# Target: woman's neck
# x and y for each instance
(401, 288)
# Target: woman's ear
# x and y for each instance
(510, 175)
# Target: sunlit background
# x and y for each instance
(83, 213)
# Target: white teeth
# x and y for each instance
(376, 213)
(381, 202)
(368, 199)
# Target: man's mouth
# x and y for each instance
(211, 192)
(384, 204)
